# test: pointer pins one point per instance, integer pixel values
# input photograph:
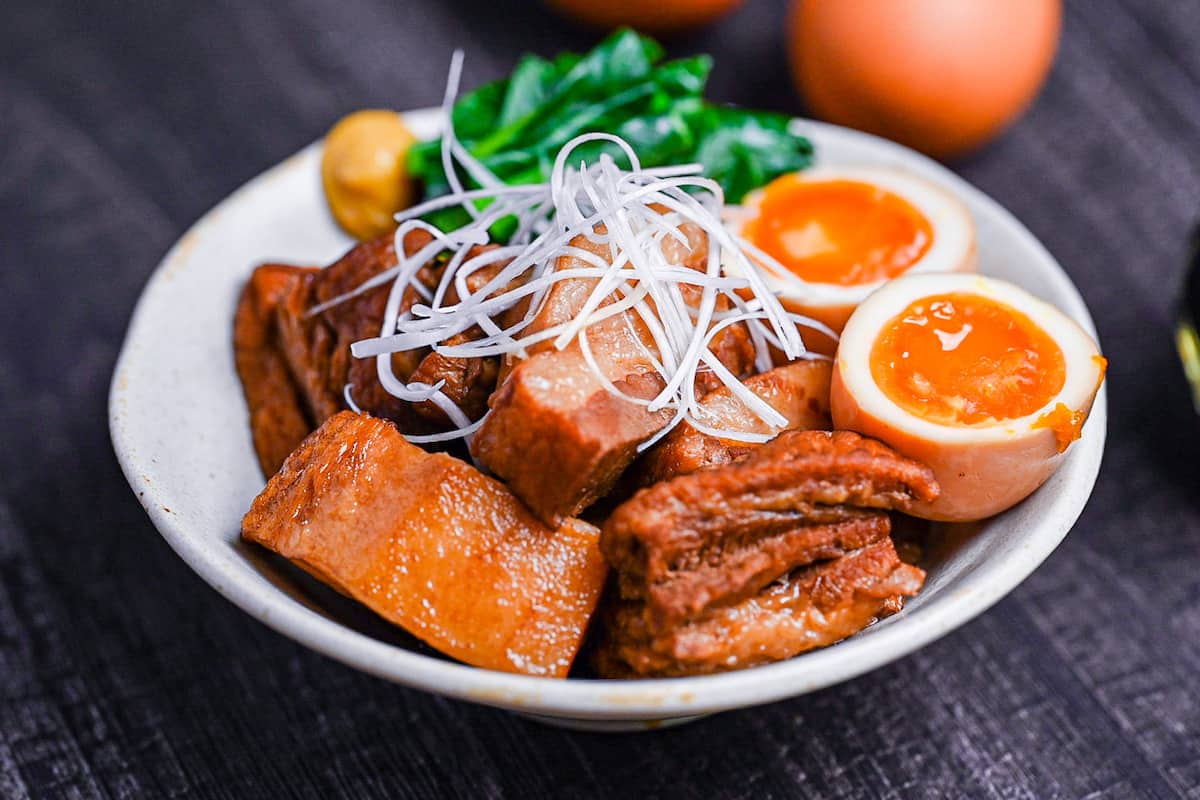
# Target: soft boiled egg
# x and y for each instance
(831, 236)
(977, 378)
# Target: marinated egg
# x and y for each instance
(977, 378)
(364, 172)
(833, 236)
(943, 76)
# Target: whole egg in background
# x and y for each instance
(659, 17)
(941, 76)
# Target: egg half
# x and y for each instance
(828, 237)
(977, 378)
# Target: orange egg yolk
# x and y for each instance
(1066, 424)
(963, 359)
(843, 232)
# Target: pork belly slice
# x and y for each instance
(811, 607)
(558, 438)
(278, 421)
(748, 557)
(432, 545)
(555, 434)
(799, 391)
(468, 382)
(316, 347)
(719, 535)
(565, 299)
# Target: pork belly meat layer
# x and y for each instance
(317, 346)
(295, 365)
(467, 382)
(812, 607)
(556, 435)
(799, 391)
(559, 438)
(718, 535)
(433, 545)
(278, 417)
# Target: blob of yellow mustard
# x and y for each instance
(364, 171)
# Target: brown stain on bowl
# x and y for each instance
(182, 253)
(617, 699)
(503, 697)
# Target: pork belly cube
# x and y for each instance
(799, 391)
(556, 435)
(718, 535)
(317, 346)
(278, 421)
(559, 438)
(811, 607)
(432, 545)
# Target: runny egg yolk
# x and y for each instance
(963, 359)
(843, 232)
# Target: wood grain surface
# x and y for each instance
(123, 675)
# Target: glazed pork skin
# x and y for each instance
(719, 535)
(432, 545)
(812, 607)
(317, 346)
(555, 434)
(278, 421)
(558, 438)
(799, 391)
(469, 382)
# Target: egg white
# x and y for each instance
(952, 248)
(983, 467)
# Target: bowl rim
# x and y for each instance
(596, 699)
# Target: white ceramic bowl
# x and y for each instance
(179, 427)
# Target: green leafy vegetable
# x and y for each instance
(516, 126)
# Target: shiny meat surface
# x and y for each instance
(799, 391)
(621, 343)
(558, 438)
(468, 381)
(278, 421)
(745, 560)
(317, 347)
(555, 434)
(718, 535)
(812, 607)
(432, 545)
(295, 366)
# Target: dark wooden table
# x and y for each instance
(123, 675)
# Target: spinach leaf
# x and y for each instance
(742, 150)
(515, 126)
(476, 113)
(531, 83)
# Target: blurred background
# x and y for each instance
(122, 675)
